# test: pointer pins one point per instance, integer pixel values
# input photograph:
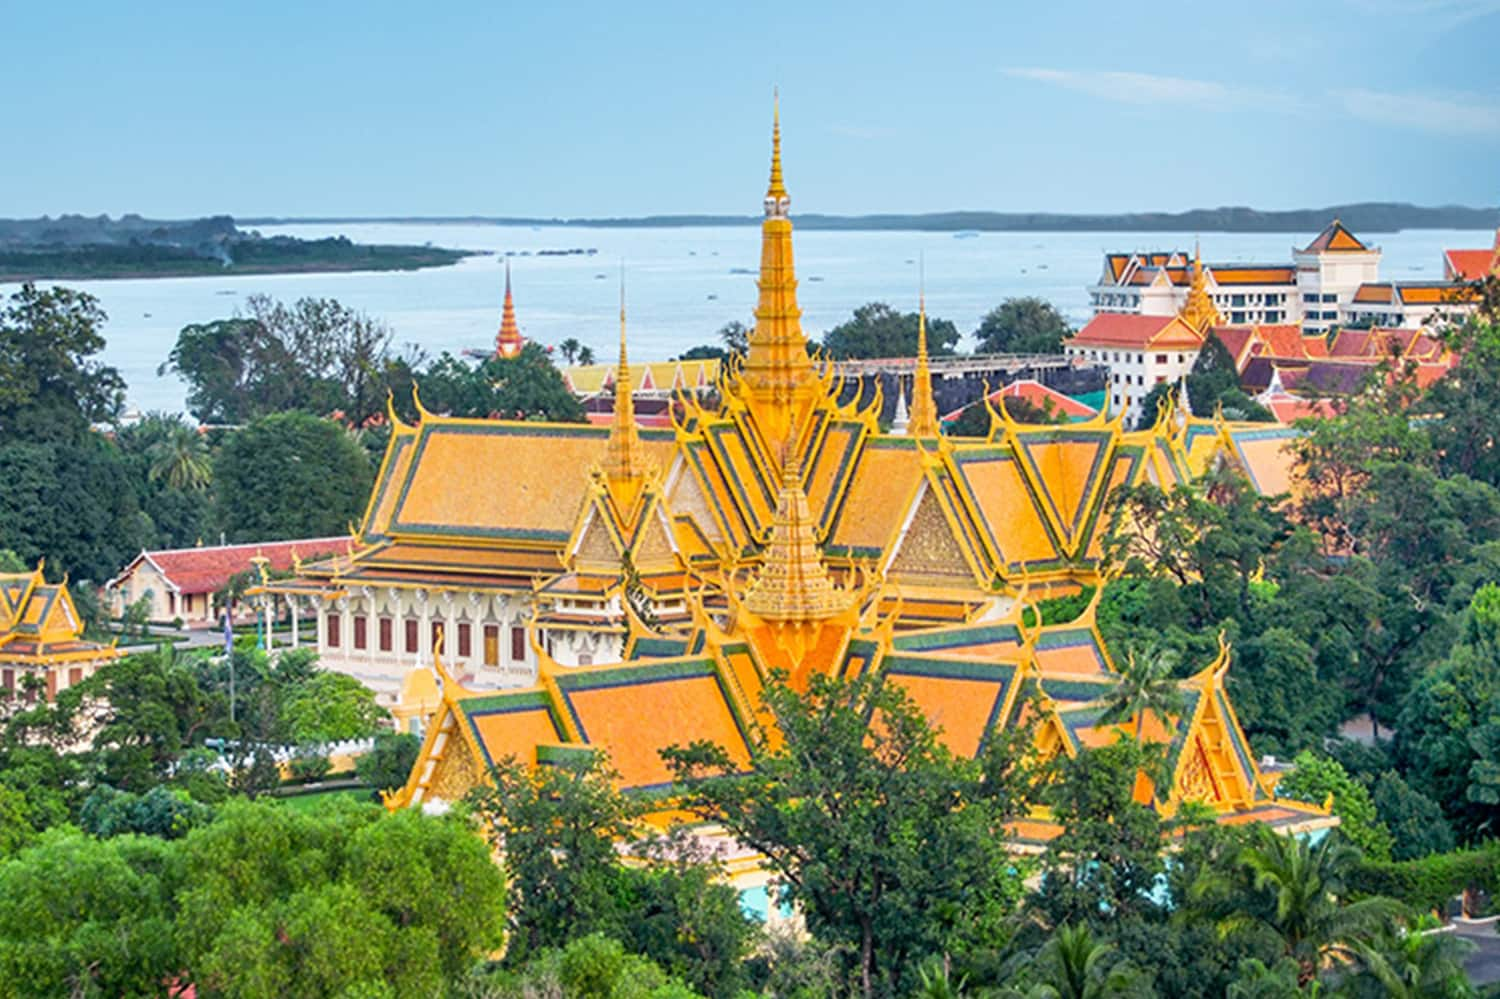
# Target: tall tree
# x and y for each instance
(290, 475)
(1148, 686)
(51, 387)
(1026, 325)
(525, 387)
(316, 355)
(877, 330)
(1311, 915)
(890, 845)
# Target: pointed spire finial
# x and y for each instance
(924, 419)
(508, 341)
(776, 196)
(1199, 310)
(622, 462)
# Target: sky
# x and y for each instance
(623, 109)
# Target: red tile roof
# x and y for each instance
(1041, 397)
(1114, 329)
(1288, 408)
(1468, 265)
(206, 570)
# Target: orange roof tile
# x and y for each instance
(1435, 294)
(1252, 274)
(1334, 238)
(1374, 293)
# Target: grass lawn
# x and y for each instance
(313, 801)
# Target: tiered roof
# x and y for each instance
(801, 539)
(508, 342)
(39, 624)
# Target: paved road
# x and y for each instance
(1483, 965)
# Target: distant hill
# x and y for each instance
(1367, 217)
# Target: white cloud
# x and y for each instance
(1465, 114)
(1149, 89)
(1450, 114)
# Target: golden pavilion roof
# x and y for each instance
(801, 539)
(40, 626)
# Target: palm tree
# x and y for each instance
(1305, 882)
(179, 457)
(936, 980)
(1146, 685)
(569, 349)
(1256, 981)
(585, 356)
(1075, 966)
(1411, 965)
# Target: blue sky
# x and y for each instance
(583, 109)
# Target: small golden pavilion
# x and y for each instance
(41, 636)
(651, 581)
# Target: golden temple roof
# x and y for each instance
(1199, 311)
(793, 585)
(923, 421)
(623, 461)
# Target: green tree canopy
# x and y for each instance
(891, 846)
(51, 387)
(877, 330)
(1316, 779)
(329, 707)
(1026, 325)
(525, 387)
(86, 917)
(290, 475)
(316, 355)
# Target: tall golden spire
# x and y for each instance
(793, 585)
(924, 416)
(508, 342)
(622, 454)
(1199, 311)
(776, 191)
(777, 370)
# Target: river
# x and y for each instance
(682, 284)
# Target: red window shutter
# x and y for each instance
(411, 634)
(518, 643)
(385, 634)
(464, 646)
(333, 631)
(359, 631)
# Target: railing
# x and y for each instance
(947, 366)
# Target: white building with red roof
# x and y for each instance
(181, 582)
(1309, 290)
(1140, 351)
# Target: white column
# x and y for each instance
(291, 603)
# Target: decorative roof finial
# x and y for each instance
(1199, 310)
(792, 585)
(924, 418)
(777, 199)
(622, 464)
(508, 342)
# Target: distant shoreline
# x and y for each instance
(1373, 217)
(110, 264)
